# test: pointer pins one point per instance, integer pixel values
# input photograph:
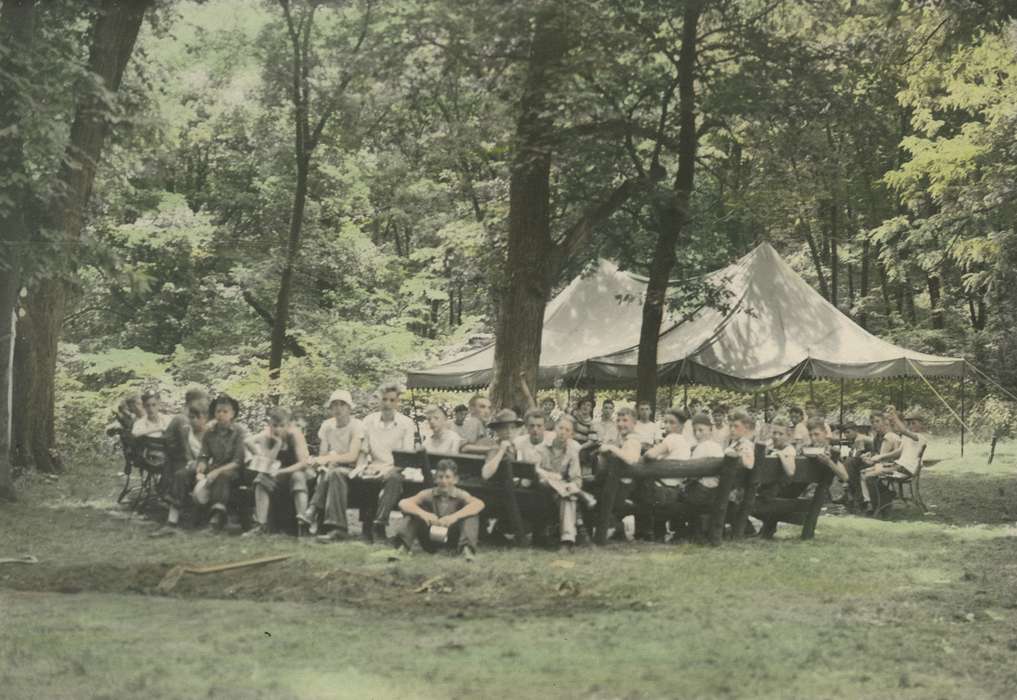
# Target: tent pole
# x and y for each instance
(900, 397)
(766, 405)
(964, 373)
(685, 397)
(812, 390)
(841, 426)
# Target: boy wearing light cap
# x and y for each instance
(340, 438)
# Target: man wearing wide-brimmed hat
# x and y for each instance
(502, 424)
(341, 440)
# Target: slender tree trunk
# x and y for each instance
(851, 285)
(817, 259)
(282, 302)
(520, 321)
(113, 37)
(834, 259)
(673, 213)
(935, 302)
(864, 281)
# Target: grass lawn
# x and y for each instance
(922, 606)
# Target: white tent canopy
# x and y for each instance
(774, 328)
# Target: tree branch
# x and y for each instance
(295, 348)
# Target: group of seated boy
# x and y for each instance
(208, 453)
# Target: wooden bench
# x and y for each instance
(503, 494)
(768, 474)
(722, 468)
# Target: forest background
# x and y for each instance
(278, 198)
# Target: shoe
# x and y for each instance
(215, 522)
(399, 552)
(469, 554)
(255, 531)
(166, 531)
(332, 536)
(308, 517)
(379, 533)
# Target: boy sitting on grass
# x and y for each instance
(443, 506)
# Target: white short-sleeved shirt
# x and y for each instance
(607, 431)
(472, 430)
(335, 439)
(708, 448)
(155, 428)
(910, 452)
(648, 432)
(448, 443)
(526, 451)
(677, 448)
(383, 437)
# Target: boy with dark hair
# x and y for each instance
(475, 430)
(281, 459)
(741, 443)
(443, 439)
(385, 430)
(583, 419)
(185, 433)
(646, 429)
(606, 428)
(444, 514)
(910, 444)
(459, 414)
(153, 423)
(221, 460)
(561, 473)
(799, 429)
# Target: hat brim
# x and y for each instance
(496, 423)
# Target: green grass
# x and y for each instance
(918, 607)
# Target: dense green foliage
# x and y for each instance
(871, 142)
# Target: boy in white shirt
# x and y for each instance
(646, 429)
(905, 458)
(663, 492)
(443, 439)
(701, 490)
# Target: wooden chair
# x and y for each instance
(722, 468)
(906, 487)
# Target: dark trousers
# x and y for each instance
(179, 486)
(331, 498)
(463, 534)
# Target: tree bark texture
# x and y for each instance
(520, 321)
(673, 213)
(114, 33)
(17, 28)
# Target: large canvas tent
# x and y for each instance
(772, 328)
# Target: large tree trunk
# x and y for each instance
(673, 215)
(17, 28)
(113, 36)
(520, 321)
